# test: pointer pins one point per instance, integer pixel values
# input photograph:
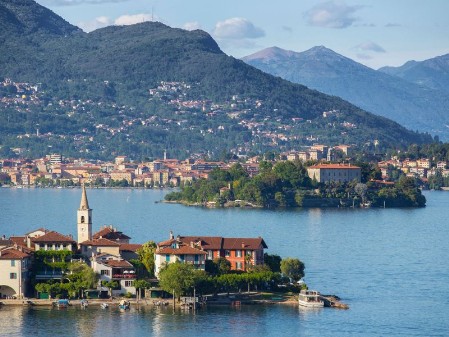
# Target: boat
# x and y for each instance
(310, 298)
(62, 303)
(104, 305)
(124, 304)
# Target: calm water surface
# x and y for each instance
(390, 265)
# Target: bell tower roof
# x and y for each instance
(84, 205)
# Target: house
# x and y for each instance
(324, 173)
(113, 268)
(98, 246)
(15, 265)
(54, 241)
(111, 233)
(240, 252)
(176, 251)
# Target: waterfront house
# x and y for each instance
(113, 268)
(15, 265)
(178, 252)
(54, 241)
(240, 252)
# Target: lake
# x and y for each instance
(390, 265)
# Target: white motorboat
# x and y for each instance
(310, 298)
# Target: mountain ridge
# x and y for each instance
(320, 68)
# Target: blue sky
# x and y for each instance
(373, 32)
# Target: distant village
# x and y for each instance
(55, 170)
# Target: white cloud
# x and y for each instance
(125, 20)
(370, 46)
(192, 25)
(332, 14)
(99, 22)
(237, 28)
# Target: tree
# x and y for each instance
(273, 262)
(177, 277)
(110, 285)
(139, 285)
(218, 266)
(292, 268)
(146, 255)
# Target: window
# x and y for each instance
(238, 253)
(13, 263)
(249, 253)
(82, 219)
(105, 272)
(181, 257)
(238, 265)
(129, 283)
(167, 258)
(196, 258)
(210, 255)
(13, 276)
(227, 253)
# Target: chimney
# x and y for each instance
(171, 235)
(192, 244)
(243, 244)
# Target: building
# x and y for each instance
(54, 241)
(84, 219)
(324, 173)
(240, 252)
(113, 268)
(15, 265)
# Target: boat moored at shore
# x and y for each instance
(310, 298)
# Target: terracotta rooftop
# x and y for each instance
(11, 253)
(111, 234)
(100, 243)
(131, 247)
(53, 236)
(117, 263)
(217, 242)
(181, 251)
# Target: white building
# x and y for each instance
(114, 268)
(15, 272)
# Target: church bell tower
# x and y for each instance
(84, 216)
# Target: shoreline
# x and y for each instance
(243, 299)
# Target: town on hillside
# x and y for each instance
(55, 170)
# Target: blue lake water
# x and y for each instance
(390, 265)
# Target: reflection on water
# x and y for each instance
(379, 261)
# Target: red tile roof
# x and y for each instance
(131, 247)
(100, 243)
(111, 234)
(117, 263)
(11, 253)
(19, 240)
(53, 237)
(217, 243)
(183, 250)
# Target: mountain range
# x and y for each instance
(415, 95)
(97, 94)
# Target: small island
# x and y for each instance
(292, 184)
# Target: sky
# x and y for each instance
(375, 33)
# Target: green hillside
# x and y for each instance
(93, 94)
